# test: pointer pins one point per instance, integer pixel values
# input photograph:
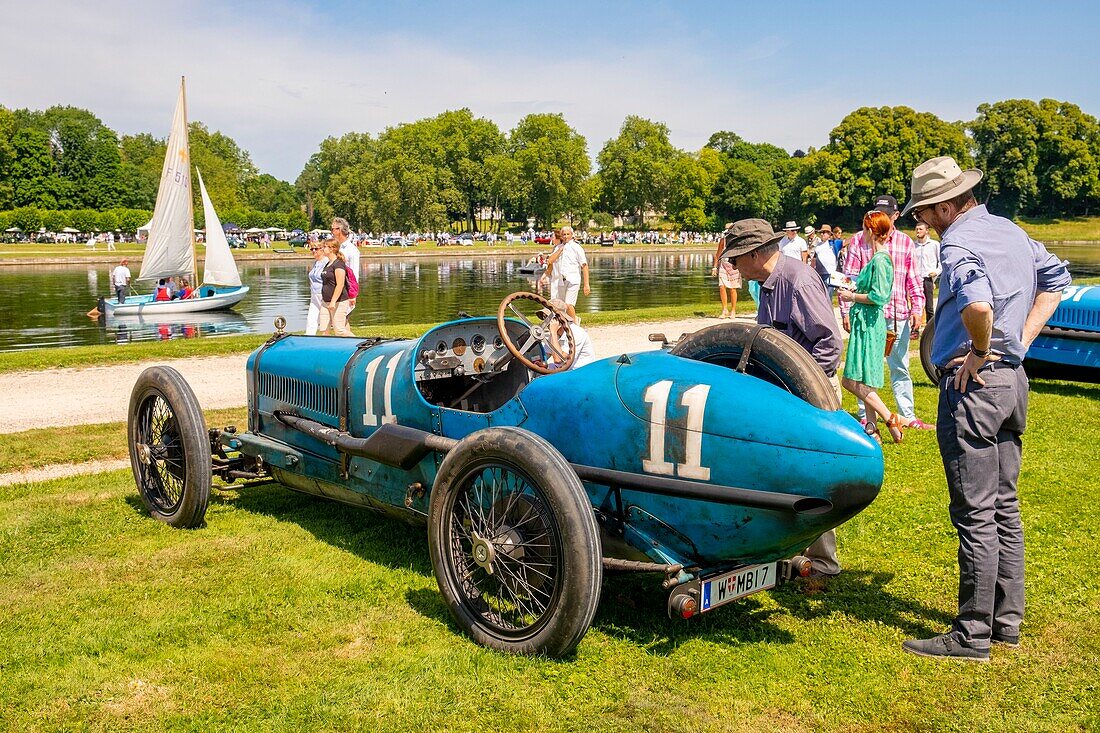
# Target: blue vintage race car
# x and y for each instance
(708, 463)
(1067, 348)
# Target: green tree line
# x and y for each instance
(1040, 159)
(60, 166)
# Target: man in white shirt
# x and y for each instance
(825, 260)
(120, 280)
(341, 232)
(570, 269)
(793, 245)
(926, 252)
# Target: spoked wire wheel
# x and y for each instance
(163, 470)
(169, 448)
(506, 549)
(514, 543)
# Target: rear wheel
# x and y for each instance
(514, 543)
(773, 357)
(169, 448)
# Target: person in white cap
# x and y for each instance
(793, 245)
(997, 290)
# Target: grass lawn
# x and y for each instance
(290, 613)
(80, 443)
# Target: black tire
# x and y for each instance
(514, 543)
(774, 358)
(926, 351)
(169, 448)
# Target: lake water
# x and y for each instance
(42, 306)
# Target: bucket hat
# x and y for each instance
(940, 179)
(749, 234)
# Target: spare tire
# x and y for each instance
(926, 351)
(773, 357)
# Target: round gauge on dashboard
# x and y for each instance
(441, 348)
(498, 343)
(477, 343)
(459, 346)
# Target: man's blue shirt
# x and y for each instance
(986, 258)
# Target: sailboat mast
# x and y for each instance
(190, 197)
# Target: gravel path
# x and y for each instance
(85, 396)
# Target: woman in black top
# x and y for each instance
(334, 293)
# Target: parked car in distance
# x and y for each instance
(299, 241)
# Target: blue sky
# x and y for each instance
(279, 77)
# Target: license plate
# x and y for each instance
(730, 586)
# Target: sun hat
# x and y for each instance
(886, 203)
(564, 309)
(790, 227)
(940, 179)
(749, 234)
(808, 229)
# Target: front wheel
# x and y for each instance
(169, 448)
(514, 543)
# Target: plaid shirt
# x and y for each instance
(908, 291)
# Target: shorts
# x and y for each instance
(726, 279)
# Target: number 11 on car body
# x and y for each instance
(695, 400)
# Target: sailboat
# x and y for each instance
(170, 251)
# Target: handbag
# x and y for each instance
(891, 338)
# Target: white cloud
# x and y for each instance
(280, 83)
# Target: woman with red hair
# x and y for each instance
(863, 371)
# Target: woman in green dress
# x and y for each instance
(863, 372)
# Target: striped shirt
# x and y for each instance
(907, 295)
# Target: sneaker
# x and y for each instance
(1009, 640)
(725, 314)
(917, 424)
(944, 646)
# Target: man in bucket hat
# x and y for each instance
(997, 290)
(793, 300)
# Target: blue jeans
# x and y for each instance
(900, 380)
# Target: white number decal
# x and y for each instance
(657, 397)
(695, 400)
(369, 418)
(391, 367)
(387, 416)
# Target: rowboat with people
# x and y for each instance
(535, 266)
(170, 251)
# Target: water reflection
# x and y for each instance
(125, 329)
(45, 305)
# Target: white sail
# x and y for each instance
(220, 267)
(170, 250)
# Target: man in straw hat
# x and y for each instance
(793, 300)
(997, 290)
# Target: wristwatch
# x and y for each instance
(978, 353)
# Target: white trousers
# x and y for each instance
(566, 290)
(313, 315)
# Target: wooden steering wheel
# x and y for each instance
(539, 330)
